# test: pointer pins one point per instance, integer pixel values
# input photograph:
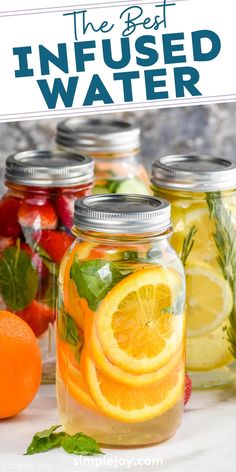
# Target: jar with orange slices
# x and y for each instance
(35, 232)
(120, 325)
(201, 190)
(115, 147)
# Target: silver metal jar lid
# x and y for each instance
(49, 169)
(122, 214)
(194, 172)
(98, 135)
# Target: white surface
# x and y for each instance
(206, 441)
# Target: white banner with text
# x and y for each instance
(109, 56)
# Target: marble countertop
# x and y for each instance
(205, 442)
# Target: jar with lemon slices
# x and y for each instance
(120, 324)
(201, 190)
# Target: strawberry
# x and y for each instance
(38, 316)
(55, 244)
(187, 388)
(37, 216)
(65, 209)
(37, 262)
(9, 226)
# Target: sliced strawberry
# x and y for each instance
(9, 226)
(38, 316)
(37, 262)
(55, 244)
(37, 216)
(187, 388)
(65, 209)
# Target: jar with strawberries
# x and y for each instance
(35, 232)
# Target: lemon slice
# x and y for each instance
(178, 221)
(209, 299)
(210, 351)
(204, 247)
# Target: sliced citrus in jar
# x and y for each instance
(116, 373)
(129, 404)
(135, 323)
(72, 302)
(210, 351)
(177, 238)
(209, 299)
(72, 376)
(204, 247)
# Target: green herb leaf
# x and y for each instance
(45, 440)
(112, 185)
(188, 245)
(225, 241)
(80, 444)
(94, 279)
(131, 256)
(68, 329)
(51, 266)
(46, 433)
(18, 278)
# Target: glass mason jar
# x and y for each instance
(201, 190)
(120, 329)
(115, 148)
(35, 223)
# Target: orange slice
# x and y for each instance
(135, 325)
(128, 404)
(71, 299)
(72, 376)
(114, 372)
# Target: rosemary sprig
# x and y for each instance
(225, 241)
(188, 244)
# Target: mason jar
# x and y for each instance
(120, 325)
(201, 190)
(35, 231)
(115, 147)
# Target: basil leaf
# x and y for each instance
(45, 440)
(51, 266)
(18, 278)
(131, 256)
(46, 433)
(94, 279)
(68, 329)
(80, 444)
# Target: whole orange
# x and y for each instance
(20, 364)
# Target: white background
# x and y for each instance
(21, 98)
